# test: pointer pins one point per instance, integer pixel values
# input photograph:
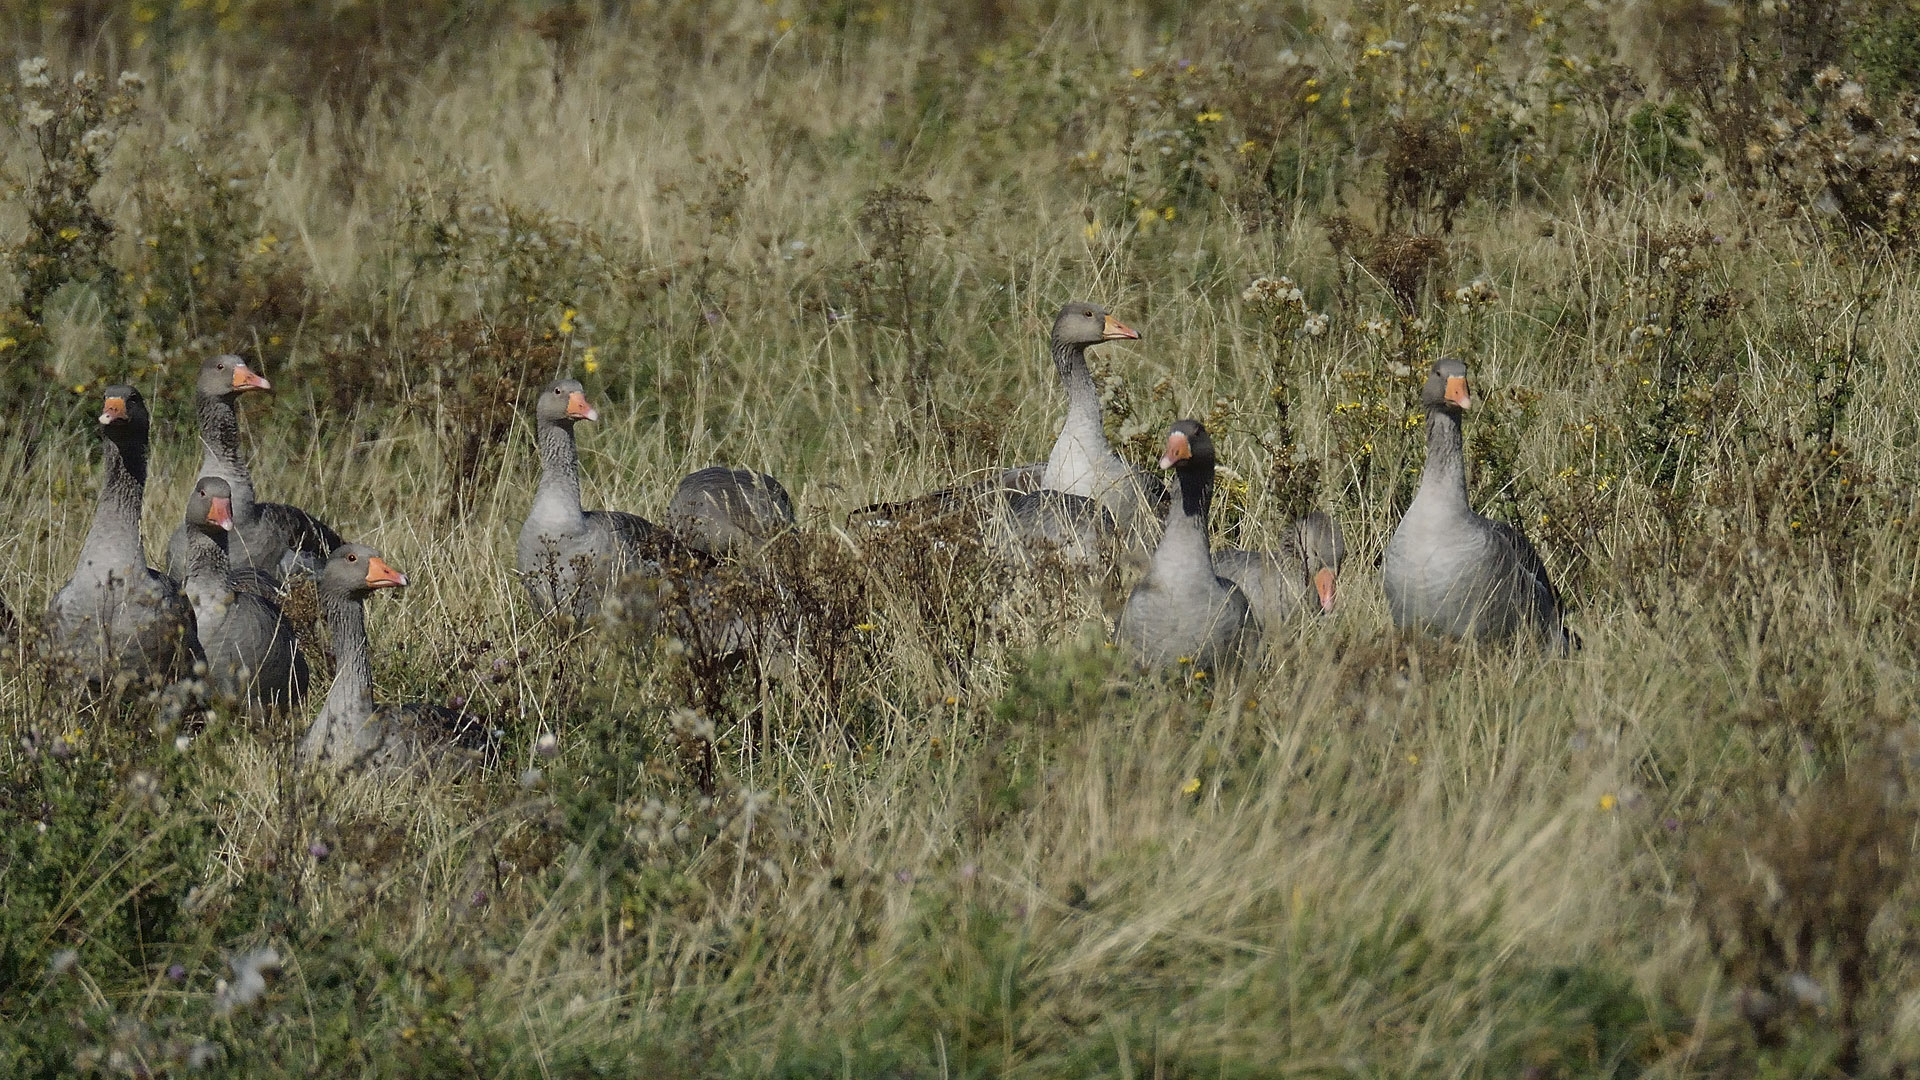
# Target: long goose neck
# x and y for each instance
(113, 541)
(1185, 547)
(1444, 479)
(207, 581)
(350, 700)
(220, 449)
(559, 493)
(1083, 400)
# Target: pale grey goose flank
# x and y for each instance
(270, 539)
(725, 511)
(352, 731)
(1083, 462)
(568, 557)
(1294, 578)
(117, 617)
(1183, 612)
(251, 651)
(1450, 571)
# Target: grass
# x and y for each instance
(986, 847)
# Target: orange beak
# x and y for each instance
(114, 411)
(221, 514)
(1323, 584)
(1457, 391)
(382, 576)
(1178, 450)
(578, 409)
(1115, 330)
(244, 378)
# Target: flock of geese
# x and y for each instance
(215, 612)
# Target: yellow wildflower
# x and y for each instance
(1313, 97)
(1092, 229)
(69, 233)
(1608, 802)
(589, 361)
(1167, 214)
(1191, 786)
(1208, 117)
(566, 320)
(1249, 146)
(1139, 72)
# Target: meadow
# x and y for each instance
(958, 835)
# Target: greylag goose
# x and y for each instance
(1082, 462)
(251, 651)
(1447, 569)
(271, 539)
(569, 557)
(1296, 577)
(724, 511)
(1183, 612)
(118, 617)
(351, 730)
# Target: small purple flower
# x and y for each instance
(478, 899)
(1671, 824)
(904, 877)
(712, 316)
(176, 973)
(968, 872)
(318, 849)
(1183, 64)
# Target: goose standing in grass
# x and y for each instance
(117, 617)
(351, 730)
(724, 511)
(270, 539)
(1294, 578)
(1450, 571)
(1082, 462)
(1183, 612)
(251, 651)
(569, 557)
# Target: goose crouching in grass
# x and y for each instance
(251, 651)
(726, 512)
(118, 619)
(1082, 462)
(1297, 577)
(1183, 612)
(270, 541)
(569, 557)
(351, 731)
(1450, 571)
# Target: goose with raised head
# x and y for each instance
(1447, 570)
(1183, 612)
(351, 731)
(251, 651)
(725, 511)
(569, 557)
(117, 617)
(1083, 462)
(1296, 577)
(270, 541)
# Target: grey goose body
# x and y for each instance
(726, 511)
(251, 651)
(117, 618)
(1294, 579)
(1082, 462)
(270, 542)
(351, 731)
(1450, 571)
(1183, 612)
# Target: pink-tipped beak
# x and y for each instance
(1115, 330)
(1457, 395)
(1178, 450)
(221, 514)
(382, 576)
(1323, 584)
(579, 409)
(245, 378)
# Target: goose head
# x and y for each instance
(355, 572)
(228, 376)
(1447, 386)
(1083, 324)
(123, 414)
(1189, 448)
(1322, 549)
(564, 403)
(210, 507)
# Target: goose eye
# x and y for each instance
(353, 558)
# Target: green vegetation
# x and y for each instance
(958, 837)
